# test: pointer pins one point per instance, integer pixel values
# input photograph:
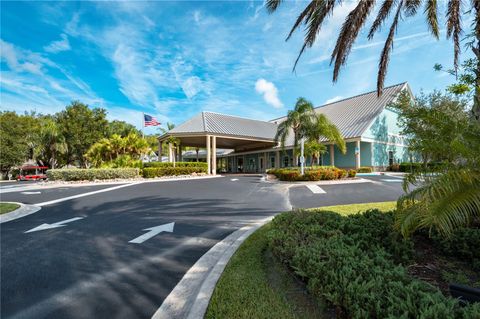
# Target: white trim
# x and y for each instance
(371, 140)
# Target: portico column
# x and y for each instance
(209, 159)
(357, 154)
(170, 152)
(180, 157)
(159, 151)
(332, 155)
(265, 163)
(277, 159)
(214, 155)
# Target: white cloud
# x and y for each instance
(269, 92)
(334, 99)
(59, 45)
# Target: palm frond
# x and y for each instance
(454, 28)
(432, 17)
(385, 57)
(382, 15)
(272, 5)
(349, 32)
(411, 7)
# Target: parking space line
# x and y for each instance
(316, 189)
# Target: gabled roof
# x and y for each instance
(354, 115)
(221, 124)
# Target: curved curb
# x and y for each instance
(191, 296)
(24, 210)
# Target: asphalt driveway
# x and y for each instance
(86, 267)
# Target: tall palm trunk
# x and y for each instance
(476, 51)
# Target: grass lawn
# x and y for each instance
(355, 208)
(8, 207)
(255, 285)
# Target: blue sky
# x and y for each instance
(175, 59)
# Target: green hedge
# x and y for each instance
(356, 263)
(464, 244)
(91, 174)
(151, 172)
(177, 164)
(365, 169)
(311, 174)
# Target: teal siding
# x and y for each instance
(347, 160)
(365, 154)
(381, 154)
(383, 127)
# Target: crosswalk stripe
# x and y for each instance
(316, 189)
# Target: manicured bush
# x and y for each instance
(352, 173)
(365, 169)
(177, 164)
(92, 174)
(151, 172)
(356, 263)
(395, 167)
(409, 167)
(311, 174)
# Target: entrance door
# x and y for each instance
(390, 158)
(240, 165)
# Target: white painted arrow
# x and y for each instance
(153, 231)
(54, 225)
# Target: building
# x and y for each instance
(235, 144)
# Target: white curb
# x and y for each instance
(22, 211)
(191, 296)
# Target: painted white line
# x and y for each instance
(234, 179)
(393, 180)
(30, 193)
(316, 189)
(54, 225)
(153, 231)
(85, 194)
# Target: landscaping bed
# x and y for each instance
(316, 173)
(357, 265)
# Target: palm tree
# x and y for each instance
(296, 122)
(52, 141)
(316, 12)
(315, 150)
(321, 127)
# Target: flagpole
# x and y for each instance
(143, 124)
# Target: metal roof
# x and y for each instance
(221, 124)
(352, 116)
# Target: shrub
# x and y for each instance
(177, 164)
(395, 167)
(463, 243)
(352, 173)
(365, 169)
(409, 167)
(151, 172)
(77, 174)
(355, 262)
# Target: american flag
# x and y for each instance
(149, 120)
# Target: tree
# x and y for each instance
(316, 12)
(121, 128)
(315, 150)
(321, 127)
(465, 75)
(297, 122)
(82, 127)
(447, 195)
(18, 138)
(52, 142)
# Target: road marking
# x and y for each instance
(316, 189)
(153, 231)
(54, 225)
(85, 194)
(234, 179)
(392, 180)
(30, 193)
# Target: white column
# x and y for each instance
(209, 159)
(214, 155)
(159, 151)
(332, 155)
(357, 154)
(265, 161)
(169, 152)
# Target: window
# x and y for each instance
(286, 161)
(272, 161)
